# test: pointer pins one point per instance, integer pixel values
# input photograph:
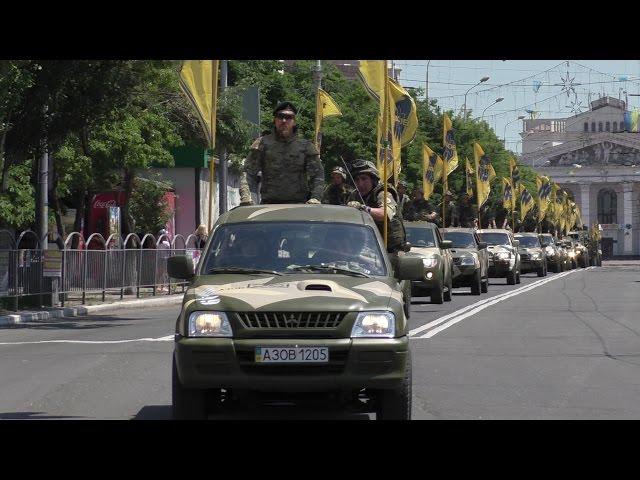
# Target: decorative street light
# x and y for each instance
(498, 100)
(483, 79)
(504, 135)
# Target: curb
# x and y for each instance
(45, 315)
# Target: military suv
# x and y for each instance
(427, 243)
(471, 257)
(292, 301)
(504, 259)
(555, 255)
(533, 257)
(581, 239)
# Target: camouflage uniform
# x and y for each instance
(291, 170)
(417, 210)
(337, 194)
(467, 213)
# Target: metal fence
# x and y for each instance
(89, 269)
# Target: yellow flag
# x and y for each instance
(404, 122)
(431, 170)
(508, 196)
(199, 82)
(325, 108)
(484, 174)
(469, 175)
(450, 154)
(514, 172)
(544, 193)
(526, 202)
(373, 74)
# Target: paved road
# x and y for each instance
(563, 346)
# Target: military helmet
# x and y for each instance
(365, 166)
(340, 171)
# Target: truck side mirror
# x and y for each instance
(482, 245)
(409, 268)
(516, 243)
(180, 267)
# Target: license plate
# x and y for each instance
(292, 354)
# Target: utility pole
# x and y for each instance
(427, 84)
(42, 206)
(223, 152)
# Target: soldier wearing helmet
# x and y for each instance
(337, 193)
(403, 197)
(371, 190)
(287, 167)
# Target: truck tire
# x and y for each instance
(437, 294)
(511, 278)
(396, 404)
(187, 404)
(476, 283)
(448, 293)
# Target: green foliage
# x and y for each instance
(149, 209)
(17, 204)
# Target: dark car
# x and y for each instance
(533, 257)
(290, 301)
(556, 257)
(471, 257)
(504, 259)
(427, 243)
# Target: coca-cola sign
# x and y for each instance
(103, 204)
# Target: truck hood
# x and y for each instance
(297, 292)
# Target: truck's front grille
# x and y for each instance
(290, 319)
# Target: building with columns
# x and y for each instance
(595, 158)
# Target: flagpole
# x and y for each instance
(478, 193)
(211, 158)
(385, 127)
(444, 191)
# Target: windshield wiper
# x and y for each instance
(241, 270)
(328, 268)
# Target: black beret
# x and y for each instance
(286, 106)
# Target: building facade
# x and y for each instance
(596, 158)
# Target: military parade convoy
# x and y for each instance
(306, 289)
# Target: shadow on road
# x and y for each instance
(33, 416)
(264, 412)
(42, 325)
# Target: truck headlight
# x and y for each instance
(374, 325)
(549, 251)
(430, 262)
(536, 256)
(502, 256)
(467, 261)
(209, 324)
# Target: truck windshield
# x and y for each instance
(421, 237)
(529, 242)
(460, 239)
(495, 238)
(284, 247)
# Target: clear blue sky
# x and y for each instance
(516, 81)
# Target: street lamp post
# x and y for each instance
(498, 100)
(483, 79)
(504, 135)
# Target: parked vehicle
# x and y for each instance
(533, 257)
(504, 259)
(290, 300)
(471, 256)
(427, 243)
(581, 239)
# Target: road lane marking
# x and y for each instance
(168, 338)
(459, 315)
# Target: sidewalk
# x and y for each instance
(51, 313)
(619, 262)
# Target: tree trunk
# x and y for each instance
(4, 162)
(127, 221)
(77, 223)
(54, 201)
